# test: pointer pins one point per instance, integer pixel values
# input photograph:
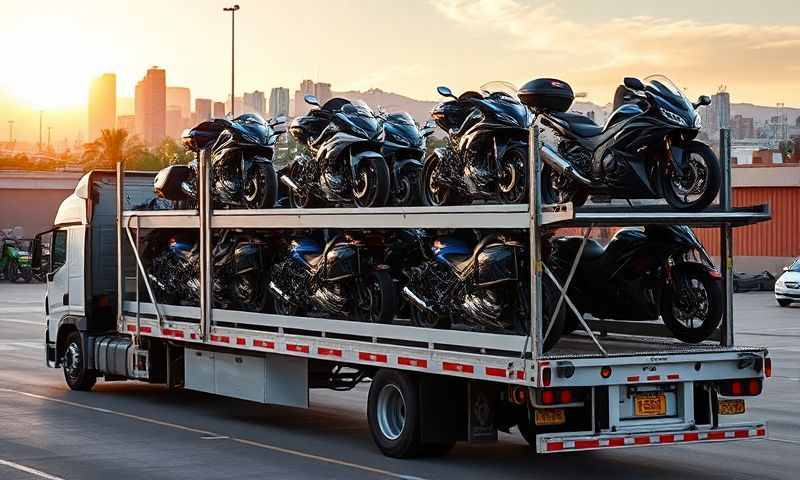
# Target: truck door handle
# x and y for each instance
(65, 299)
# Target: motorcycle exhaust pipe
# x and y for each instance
(279, 292)
(289, 183)
(413, 298)
(561, 165)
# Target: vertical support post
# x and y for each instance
(120, 274)
(137, 336)
(535, 210)
(726, 237)
(205, 205)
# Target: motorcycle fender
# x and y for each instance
(357, 159)
(500, 149)
(335, 145)
(407, 165)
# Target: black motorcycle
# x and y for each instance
(344, 162)
(487, 152)
(641, 274)
(332, 278)
(646, 149)
(479, 285)
(404, 150)
(242, 174)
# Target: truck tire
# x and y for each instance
(393, 413)
(75, 372)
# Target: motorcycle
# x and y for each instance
(646, 149)
(404, 150)
(334, 279)
(343, 163)
(478, 286)
(239, 272)
(487, 152)
(641, 274)
(242, 174)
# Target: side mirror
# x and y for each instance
(785, 269)
(445, 92)
(311, 100)
(633, 84)
(702, 101)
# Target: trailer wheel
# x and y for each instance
(75, 372)
(393, 414)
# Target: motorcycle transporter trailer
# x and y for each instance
(629, 385)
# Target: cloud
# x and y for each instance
(599, 51)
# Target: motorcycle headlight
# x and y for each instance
(673, 117)
(399, 140)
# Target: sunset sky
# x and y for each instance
(51, 49)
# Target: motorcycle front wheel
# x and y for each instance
(260, 186)
(434, 193)
(513, 178)
(691, 306)
(407, 192)
(299, 199)
(557, 190)
(372, 183)
(377, 298)
(698, 186)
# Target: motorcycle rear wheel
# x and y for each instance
(298, 199)
(692, 306)
(433, 193)
(513, 180)
(555, 194)
(378, 298)
(704, 176)
(372, 184)
(261, 186)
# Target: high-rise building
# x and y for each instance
(180, 98)
(151, 106)
(127, 122)
(175, 122)
(237, 108)
(254, 102)
(202, 109)
(742, 127)
(719, 112)
(323, 92)
(102, 104)
(300, 105)
(279, 102)
(219, 109)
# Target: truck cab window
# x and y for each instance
(59, 249)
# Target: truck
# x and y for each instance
(609, 385)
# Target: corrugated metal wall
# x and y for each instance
(780, 237)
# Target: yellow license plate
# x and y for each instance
(650, 405)
(731, 407)
(550, 416)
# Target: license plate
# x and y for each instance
(550, 416)
(650, 405)
(731, 407)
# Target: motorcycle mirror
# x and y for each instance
(633, 83)
(311, 100)
(702, 101)
(445, 92)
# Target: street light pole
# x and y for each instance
(10, 131)
(49, 129)
(41, 113)
(233, 40)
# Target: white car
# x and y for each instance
(787, 287)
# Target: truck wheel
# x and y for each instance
(75, 372)
(393, 414)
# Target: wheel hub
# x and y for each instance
(391, 411)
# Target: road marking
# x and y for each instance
(17, 320)
(32, 471)
(218, 437)
(206, 433)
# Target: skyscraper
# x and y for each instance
(279, 102)
(151, 106)
(202, 108)
(300, 105)
(102, 104)
(219, 109)
(180, 98)
(174, 122)
(255, 102)
(323, 92)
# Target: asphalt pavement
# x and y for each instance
(130, 430)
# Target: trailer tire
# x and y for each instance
(393, 412)
(77, 376)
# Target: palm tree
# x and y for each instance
(111, 146)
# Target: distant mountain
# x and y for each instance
(762, 114)
(392, 102)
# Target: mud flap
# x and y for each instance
(443, 409)
(483, 398)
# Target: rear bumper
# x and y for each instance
(561, 442)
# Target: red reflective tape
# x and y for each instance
(652, 378)
(241, 341)
(555, 446)
(412, 362)
(146, 330)
(171, 332)
(634, 378)
(131, 328)
(193, 336)
(666, 438)
(221, 338)
(544, 364)
(587, 444)
(293, 347)
(373, 357)
(333, 352)
(673, 376)
(741, 434)
(496, 372)
(458, 367)
(716, 435)
(761, 432)
(263, 344)
(616, 442)
(641, 440)
(521, 375)
(691, 437)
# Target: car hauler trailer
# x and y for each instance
(611, 385)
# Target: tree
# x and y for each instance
(112, 146)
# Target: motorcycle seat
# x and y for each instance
(581, 125)
(315, 259)
(592, 250)
(570, 245)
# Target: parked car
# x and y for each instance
(753, 282)
(787, 288)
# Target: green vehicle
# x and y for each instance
(15, 260)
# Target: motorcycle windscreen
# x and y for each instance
(341, 261)
(496, 263)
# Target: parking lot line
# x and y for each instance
(32, 471)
